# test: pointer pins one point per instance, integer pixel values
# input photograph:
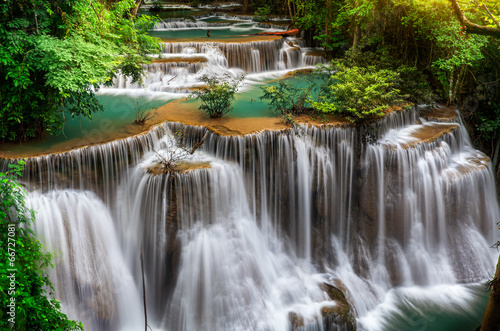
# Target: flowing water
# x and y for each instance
(248, 233)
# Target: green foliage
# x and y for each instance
(54, 54)
(358, 93)
(217, 97)
(262, 13)
(488, 125)
(34, 309)
(285, 98)
(413, 85)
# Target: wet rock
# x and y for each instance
(339, 315)
(296, 321)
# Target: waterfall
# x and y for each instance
(245, 235)
(238, 55)
(90, 277)
(183, 63)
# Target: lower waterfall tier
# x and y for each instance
(302, 229)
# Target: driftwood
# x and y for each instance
(283, 33)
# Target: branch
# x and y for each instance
(472, 27)
(198, 144)
(137, 6)
(491, 16)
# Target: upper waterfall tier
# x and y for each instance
(229, 47)
(252, 54)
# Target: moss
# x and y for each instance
(341, 312)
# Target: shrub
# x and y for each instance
(358, 93)
(286, 98)
(143, 113)
(217, 96)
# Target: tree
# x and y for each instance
(26, 304)
(55, 54)
(492, 29)
(218, 94)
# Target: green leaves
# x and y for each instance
(285, 98)
(358, 93)
(77, 46)
(217, 97)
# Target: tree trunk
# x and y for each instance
(471, 27)
(450, 88)
(494, 158)
(290, 11)
(457, 84)
(328, 19)
(357, 36)
(137, 6)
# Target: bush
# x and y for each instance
(217, 96)
(285, 98)
(412, 82)
(143, 113)
(34, 309)
(358, 93)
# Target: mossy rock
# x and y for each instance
(336, 317)
(296, 321)
(339, 315)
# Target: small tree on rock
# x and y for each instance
(218, 94)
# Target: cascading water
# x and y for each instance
(236, 49)
(246, 235)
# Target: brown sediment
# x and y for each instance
(185, 113)
(297, 72)
(179, 59)
(182, 112)
(319, 119)
(441, 113)
(32, 148)
(429, 134)
(229, 40)
(180, 167)
(198, 88)
(481, 161)
(281, 33)
(175, 111)
(228, 23)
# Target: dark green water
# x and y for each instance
(438, 308)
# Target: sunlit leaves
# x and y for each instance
(358, 93)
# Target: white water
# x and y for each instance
(222, 58)
(241, 244)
